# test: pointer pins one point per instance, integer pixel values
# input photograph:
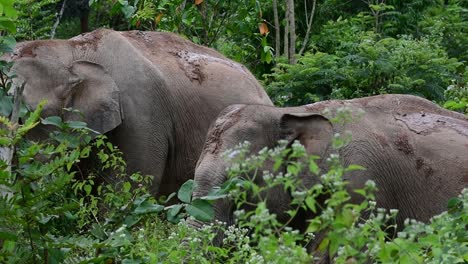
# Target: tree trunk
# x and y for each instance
(286, 32)
(309, 27)
(84, 20)
(292, 33)
(277, 29)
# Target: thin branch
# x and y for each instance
(305, 11)
(54, 28)
(28, 228)
(218, 30)
(309, 27)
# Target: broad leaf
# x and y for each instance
(148, 207)
(53, 120)
(201, 209)
(185, 191)
(173, 211)
(76, 124)
(6, 105)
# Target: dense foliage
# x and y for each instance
(52, 211)
(52, 214)
(350, 58)
(343, 49)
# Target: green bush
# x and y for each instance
(52, 215)
(457, 94)
(359, 64)
(346, 232)
(349, 237)
(448, 25)
(36, 18)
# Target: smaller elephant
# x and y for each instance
(415, 151)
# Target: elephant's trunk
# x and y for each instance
(207, 177)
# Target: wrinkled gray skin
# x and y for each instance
(154, 94)
(415, 151)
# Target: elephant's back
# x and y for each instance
(194, 68)
(163, 48)
(166, 43)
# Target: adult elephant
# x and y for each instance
(154, 94)
(415, 151)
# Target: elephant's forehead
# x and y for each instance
(31, 49)
(223, 123)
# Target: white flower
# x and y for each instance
(233, 154)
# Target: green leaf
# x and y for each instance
(4, 235)
(202, 210)
(310, 202)
(55, 255)
(53, 120)
(9, 246)
(277, 164)
(148, 207)
(87, 189)
(8, 44)
(131, 261)
(76, 124)
(98, 232)
(314, 225)
(173, 211)
(324, 244)
(126, 187)
(10, 26)
(454, 205)
(334, 243)
(268, 57)
(131, 220)
(216, 193)
(361, 192)
(44, 219)
(5, 141)
(185, 191)
(6, 105)
(313, 167)
(9, 9)
(70, 216)
(354, 167)
(169, 197)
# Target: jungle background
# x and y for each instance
(303, 51)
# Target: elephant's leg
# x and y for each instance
(145, 152)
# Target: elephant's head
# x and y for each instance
(51, 71)
(262, 126)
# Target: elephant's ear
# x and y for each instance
(314, 131)
(96, 95)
